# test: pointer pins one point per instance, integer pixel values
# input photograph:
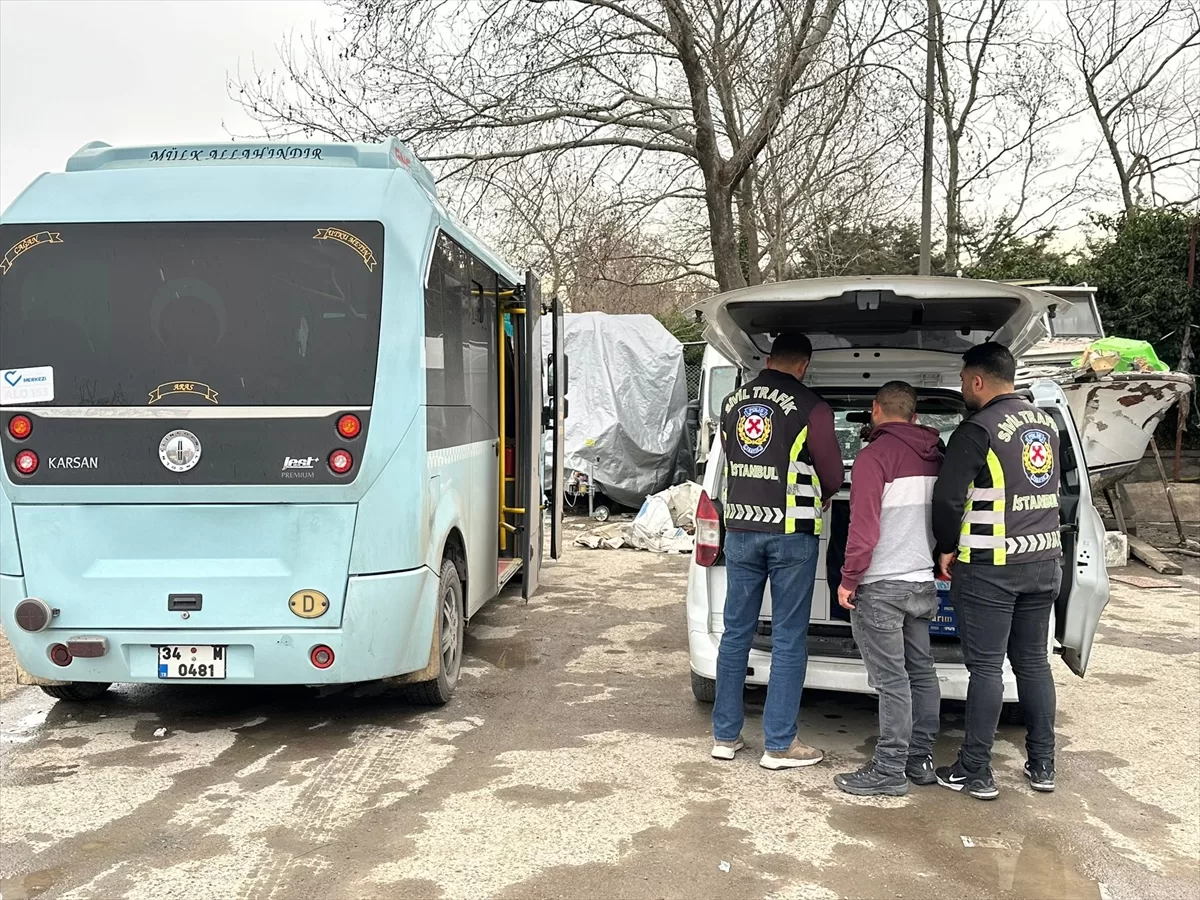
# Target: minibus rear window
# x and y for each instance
(195, 313)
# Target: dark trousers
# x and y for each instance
(1006, 609)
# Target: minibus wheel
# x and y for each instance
(704, 689)
(449, 626)
(77, 691)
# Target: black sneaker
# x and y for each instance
(871, 782)
(979, 785)
(920, 770)
(1040, 775)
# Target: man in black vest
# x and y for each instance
(996, 521)
(782, 462)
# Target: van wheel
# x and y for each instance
(77, 691)
(449, 627)
(1012, 714)
(704, 689)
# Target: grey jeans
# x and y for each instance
(891, 627)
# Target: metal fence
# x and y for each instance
(693, 370)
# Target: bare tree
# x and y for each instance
(702, 84)
(1140, 68)
(622, 269)
(1001, 98)
(591, 234)
(842, 158)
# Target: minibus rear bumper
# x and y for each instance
(386, 630)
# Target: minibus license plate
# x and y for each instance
(192, 661)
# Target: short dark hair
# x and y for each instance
(791, 347)
(898, 399)
(993, 361)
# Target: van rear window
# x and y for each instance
(196, 313)
(852, 427)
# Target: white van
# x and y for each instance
(867, 331)
(718, 377)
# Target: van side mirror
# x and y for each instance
(693, 414)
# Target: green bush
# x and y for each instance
(686, 330)
(1140, 271)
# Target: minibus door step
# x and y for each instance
(506, 569)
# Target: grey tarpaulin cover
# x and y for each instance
(626, 404)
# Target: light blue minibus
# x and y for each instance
(268, 416)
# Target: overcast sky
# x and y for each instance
(135, 71)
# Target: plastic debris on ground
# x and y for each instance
(1114, 354)
(666, 523)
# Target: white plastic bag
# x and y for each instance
(654, 528)
(683, 499)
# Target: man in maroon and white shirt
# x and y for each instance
(888, 586)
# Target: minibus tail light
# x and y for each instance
(708, 531)
(321, 656)
(26, 462)
(349, 426)
(20, 427)
(33, 615)
(340, 462)
(59, 654)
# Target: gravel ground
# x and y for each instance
(573, 763)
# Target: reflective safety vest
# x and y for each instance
(803, 489)
(770, 484)
(1012, 510)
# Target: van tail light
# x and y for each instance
(708, 531)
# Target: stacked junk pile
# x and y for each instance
(627, 441)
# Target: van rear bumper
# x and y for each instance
(829, 673)
(386, 630)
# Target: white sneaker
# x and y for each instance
(727, 749)
(794, 757)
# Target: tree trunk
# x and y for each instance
(1110, 142)
(950, 264)
(749, 228)
(727, 265)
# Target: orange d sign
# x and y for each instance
(309, 604)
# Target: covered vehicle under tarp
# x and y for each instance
(627, 397)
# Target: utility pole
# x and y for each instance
(927, 158)
(1185, 355)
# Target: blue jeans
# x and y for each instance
(790, 561)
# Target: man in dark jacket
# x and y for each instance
(996, 521)
(782, 462)
(887, 584)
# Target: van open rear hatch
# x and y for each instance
(929, 314)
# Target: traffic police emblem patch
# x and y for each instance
(754, 429)
(1037, 457)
